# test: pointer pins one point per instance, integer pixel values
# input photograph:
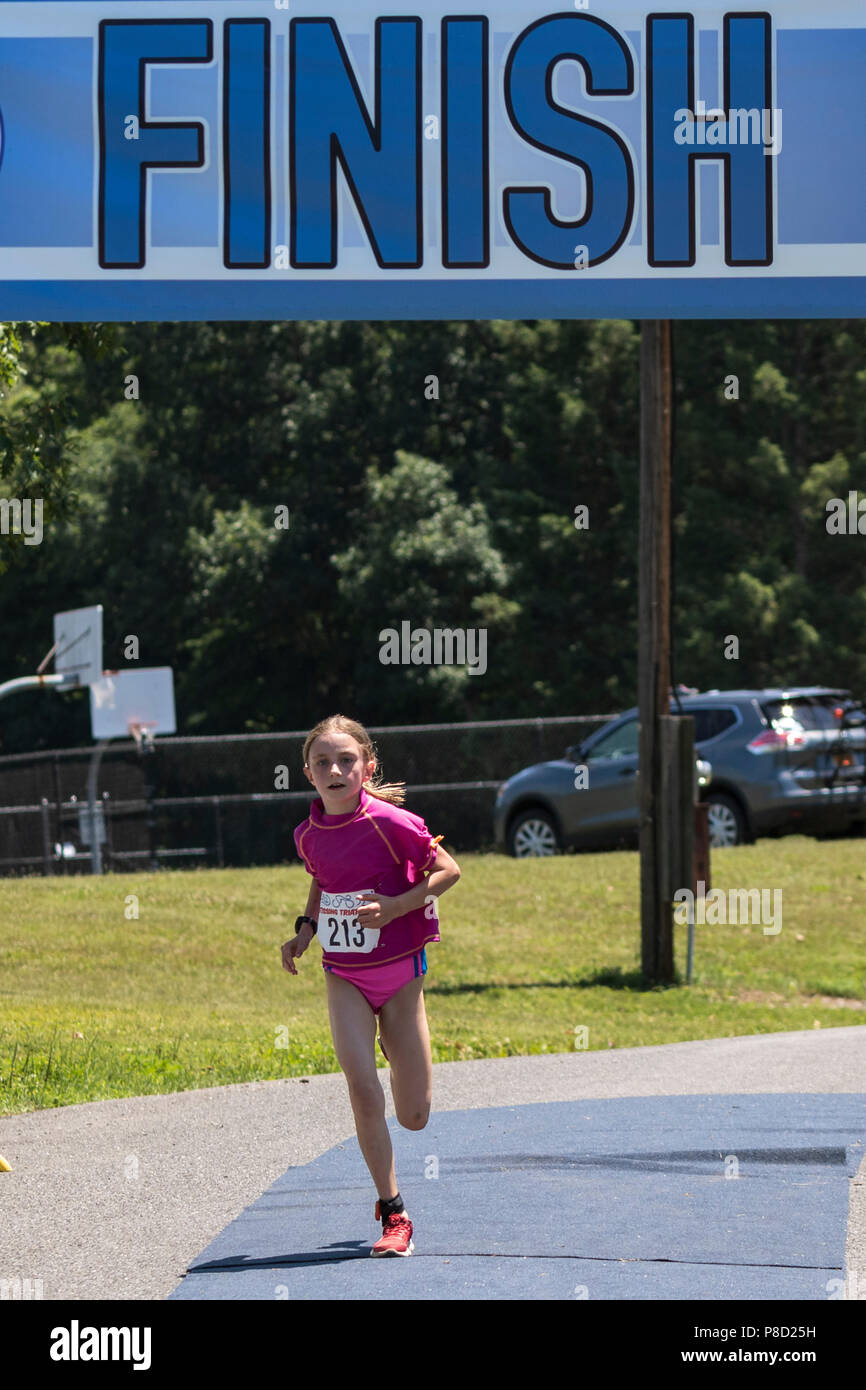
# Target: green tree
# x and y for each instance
(416, 553)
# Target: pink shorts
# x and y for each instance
(378, 983)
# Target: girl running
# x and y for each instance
(373, 908)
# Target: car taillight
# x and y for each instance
(771, 740)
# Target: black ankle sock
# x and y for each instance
(392, 1207)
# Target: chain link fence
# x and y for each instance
(212, 801)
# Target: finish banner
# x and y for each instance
(292, 159)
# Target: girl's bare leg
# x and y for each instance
(404, 1031)
(353, 1028)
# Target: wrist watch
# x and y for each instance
(299, 922)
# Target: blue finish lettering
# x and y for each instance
(368, 142)
(380, 158)
(128, 145)
(746, 161)
(246, 144)
(465, 143)
(590, 145)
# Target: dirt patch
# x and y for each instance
(830, 1001)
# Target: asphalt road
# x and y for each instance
(116, 1199)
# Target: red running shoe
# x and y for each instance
(396, 1238)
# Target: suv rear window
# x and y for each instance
(807, 714)
(709, 723)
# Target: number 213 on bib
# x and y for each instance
(340, 931)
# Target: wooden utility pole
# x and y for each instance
(654, 647)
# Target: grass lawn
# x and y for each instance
(94, 1003)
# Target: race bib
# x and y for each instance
(340, 931)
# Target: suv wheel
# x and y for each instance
(726, 819)
(533, 835)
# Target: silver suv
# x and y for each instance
(782, 761)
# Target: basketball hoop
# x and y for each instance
(142, 732)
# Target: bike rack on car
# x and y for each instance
(853, 716)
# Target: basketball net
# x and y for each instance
(143, 735)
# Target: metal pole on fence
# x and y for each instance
(146, 755)
(92, 774)
(109, 847)
(219, 831)
(47, 855)
(58, 809)
(539, 725)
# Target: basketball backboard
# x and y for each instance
(123, 698)
(78, 640)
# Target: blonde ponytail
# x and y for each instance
(394, 792)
